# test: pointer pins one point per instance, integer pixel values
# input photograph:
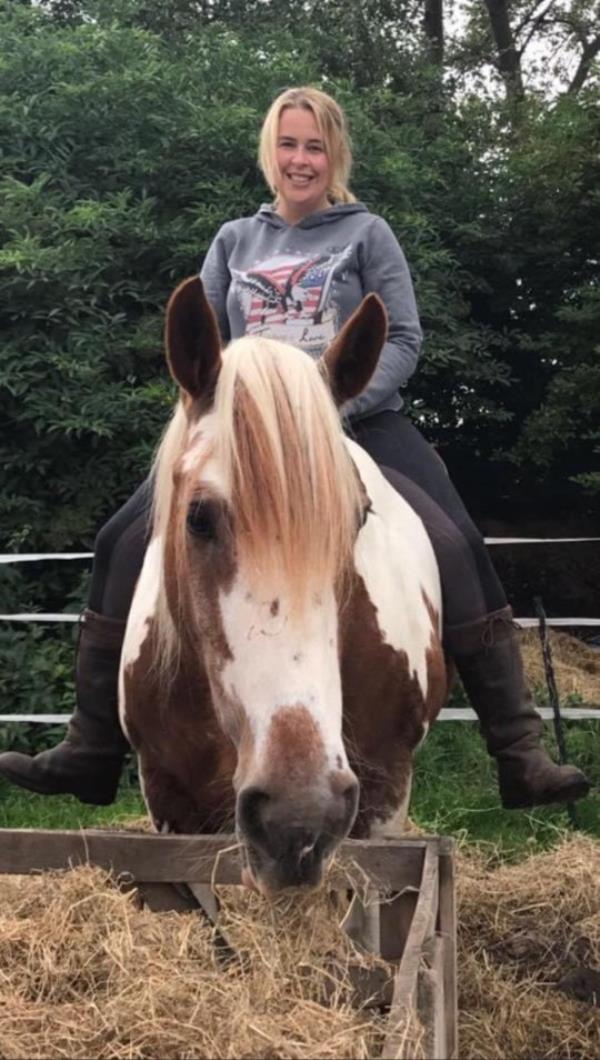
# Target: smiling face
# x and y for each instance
(303, 168)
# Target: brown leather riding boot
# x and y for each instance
(89, 760)
(488, 659)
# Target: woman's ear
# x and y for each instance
(352, 357)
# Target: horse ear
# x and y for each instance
(192, 339)
(351, 358)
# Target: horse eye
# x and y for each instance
(201, 521)
(367, 510)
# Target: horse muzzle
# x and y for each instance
(288, 842)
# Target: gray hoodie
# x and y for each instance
(299, 283)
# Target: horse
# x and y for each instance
(283, 656)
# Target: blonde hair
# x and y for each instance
(331, 124)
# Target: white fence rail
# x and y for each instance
(447, 714)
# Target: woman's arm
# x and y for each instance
(216, 279)
(384, 271)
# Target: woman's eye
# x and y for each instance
(201, 521)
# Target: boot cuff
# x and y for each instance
(471, 637)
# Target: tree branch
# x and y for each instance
(531, 15)
(535, 25)
(590, 51)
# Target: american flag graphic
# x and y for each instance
(284, 290)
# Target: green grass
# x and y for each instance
(22, 809)
(454, 793)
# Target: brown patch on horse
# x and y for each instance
(384, 711)
(295, 753)
(186, 761)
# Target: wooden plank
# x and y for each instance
(396, 916)
(430, 1001)
(381, 925)
(399, 1042)
(361, 924)
(447, 929)
(195, 859)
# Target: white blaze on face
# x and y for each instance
(394, 557)
(277, 663)
(143, 607)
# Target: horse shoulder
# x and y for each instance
(395, 561)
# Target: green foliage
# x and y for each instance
(130, 137)
(37, 670)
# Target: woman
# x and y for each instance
(296, 271)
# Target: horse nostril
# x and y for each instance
(349, 793)
(251, 804)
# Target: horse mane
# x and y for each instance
(294, 492)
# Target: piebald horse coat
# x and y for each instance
(283, 653)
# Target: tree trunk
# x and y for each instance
(509, 60)
(433, 22)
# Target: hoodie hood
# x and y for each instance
(269, 215)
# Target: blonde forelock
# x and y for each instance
(294, 492)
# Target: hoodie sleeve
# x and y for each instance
(216, 278)
(384, 270)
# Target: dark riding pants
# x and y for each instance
(470, 586)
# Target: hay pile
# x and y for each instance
(529, 947)
(85, 973)
(576, 665)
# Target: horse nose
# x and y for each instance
(288, 840)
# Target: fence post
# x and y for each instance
(553, 696)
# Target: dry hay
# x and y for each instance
(576, 665)
(529, 945)
(84, 972)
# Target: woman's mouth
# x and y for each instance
(299, 180)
